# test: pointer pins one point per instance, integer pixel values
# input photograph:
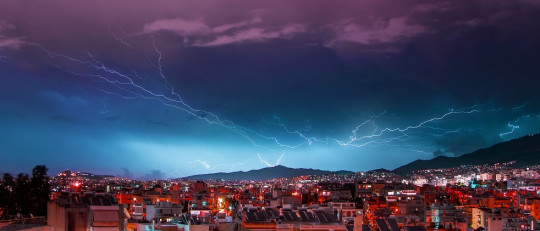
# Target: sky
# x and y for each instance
(175, 88)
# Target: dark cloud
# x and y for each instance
(438, 152)
(153, 175)
(126, 173)
(461, 144)
(355, 79)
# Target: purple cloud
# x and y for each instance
(432, 6)
(364, 25)
(250, 30)
(395, 30)
(255, 35)
(178, 25)
(7, 42)
(11, 43)
(231, 26)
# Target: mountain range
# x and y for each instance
(525, 151)
(278, 171)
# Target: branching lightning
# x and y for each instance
(280, 157)
(374, 137)
(131, 84)
(513, 128)
(513, 125)
(203, 163)
(130, 89)
(104, 109)
(264, 161)
(299, 133)
(117, 38)
(267, 163)
(210, 166)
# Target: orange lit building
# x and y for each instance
(535, 209)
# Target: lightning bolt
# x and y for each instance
(160, 67)
(210, 166)
(299, 133)
(516, 108)
(130, 84)
(203, 163)
(360, 141)
(101, 73)
(280, 157)
(128, 88)
(117, 38)
(417, 150)
(512, 125)
(104, 109)
(446, 132)
(139, 76)
(513, 128)
(264, 161)
(267, 163)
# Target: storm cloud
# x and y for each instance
(160, 88)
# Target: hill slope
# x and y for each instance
(525, 151)
(265, 174)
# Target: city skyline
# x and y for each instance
(175, 89)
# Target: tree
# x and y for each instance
(40, 191)
(24, 195)
(7, 202)
(21, 194)
(4, 197)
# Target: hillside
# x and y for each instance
(525, 151)
(266, 173)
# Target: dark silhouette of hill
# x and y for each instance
(525, 151)
(278, 171)
(379, 170)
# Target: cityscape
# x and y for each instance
(496, 196)
(236, 115)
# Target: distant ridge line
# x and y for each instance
(524, 150)
(267, 173)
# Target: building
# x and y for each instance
(85, 212)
